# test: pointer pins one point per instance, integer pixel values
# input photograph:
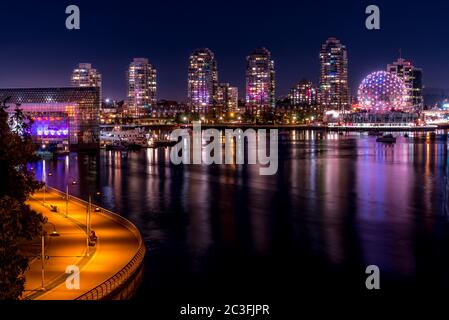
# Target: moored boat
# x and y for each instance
(387, 138)
(375, 133)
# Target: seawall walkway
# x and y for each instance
(106, 270)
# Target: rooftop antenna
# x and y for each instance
(400, 53)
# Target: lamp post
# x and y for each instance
(42, 261)
(43, 257)
(88, 220)
(66, 200)
(88, 224)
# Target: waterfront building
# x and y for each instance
(86, 76)
(412, 78)
(202, 82)
(303, 94)
(233, 99)
(141, 88)
(108, 111)
(381, 92)
(334, 89)
(67, 116)
(260, 81)
(227, 98)
(363, 119)
(169, 109)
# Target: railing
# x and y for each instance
(111, 285)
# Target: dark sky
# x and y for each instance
(37, 50)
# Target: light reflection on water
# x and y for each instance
(337, 204)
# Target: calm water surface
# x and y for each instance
(337, 204)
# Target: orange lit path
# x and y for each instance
(116, 247)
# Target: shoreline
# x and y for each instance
(281, 126)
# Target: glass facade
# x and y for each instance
(334, 89)
(303, 93)
(86, 76)
(202, 80)
(412, 78)
(260, 83)
(60, 113)
(141, 88)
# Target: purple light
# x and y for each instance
(382, 91)
(47, 127)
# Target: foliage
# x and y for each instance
(17, 221)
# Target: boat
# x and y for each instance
(387, 138)
(161, 143)
(120, 139)
(375, 133)
(115, 146)
(132, 146)
(123, 154)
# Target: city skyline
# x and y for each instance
(207, 159)
(206, 95)
(294, 44)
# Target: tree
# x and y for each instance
(17, 221)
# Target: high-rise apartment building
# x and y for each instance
(334, 89)
(260, 81)
(303, 93)
(86, 76)
(202, 82)
(227, 97)
(412, 78)
(141, 87)
(233, 99)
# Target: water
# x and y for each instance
(337, 204)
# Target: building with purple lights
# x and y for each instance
(260, 83)
(227, 97)
(68, 116)
(202, 80)
(382, 91)
(303, 93)
(334, 89)
(141, 88)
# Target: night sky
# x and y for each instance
(37, 50)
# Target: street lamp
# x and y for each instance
(67, 196)
(43, 257)
(88, 220)
(42, 261)
(66, 200)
